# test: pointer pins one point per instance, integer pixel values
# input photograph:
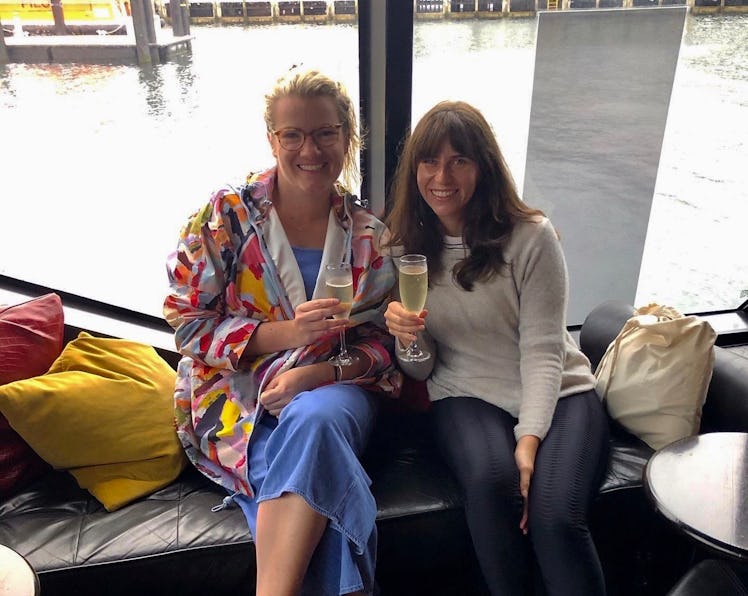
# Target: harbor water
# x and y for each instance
(101, 164)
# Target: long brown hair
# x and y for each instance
(490, 214)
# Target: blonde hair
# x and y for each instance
(312, 83)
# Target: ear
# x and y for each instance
(273, 140)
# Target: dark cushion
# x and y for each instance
(166, 539)
(19, 464)
(171, 539)
(712, 577)
(726, 406)
(31, 336)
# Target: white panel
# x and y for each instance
(600, 99)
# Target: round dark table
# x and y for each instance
(701, 485)
(17, 577)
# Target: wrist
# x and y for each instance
(337, 372)
(331, 373)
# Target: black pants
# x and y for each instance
(477, 442)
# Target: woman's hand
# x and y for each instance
(524, 456)
(312, 320)
(403, 324)
(287, 385)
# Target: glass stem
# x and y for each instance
(343, 349)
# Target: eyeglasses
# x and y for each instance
(292, 139)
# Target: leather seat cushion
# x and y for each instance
(172, 539)
(712, 576)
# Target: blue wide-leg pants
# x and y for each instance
(312, 449)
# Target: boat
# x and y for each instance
(37, 17)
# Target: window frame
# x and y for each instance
(385, 84)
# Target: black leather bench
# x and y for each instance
(172, 543)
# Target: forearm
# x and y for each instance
(215, 341)
(325, 373)
(360, 367)
(270, 337)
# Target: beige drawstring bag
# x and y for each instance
(654, 375)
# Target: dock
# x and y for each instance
(342, 11)
(92, 48)
(142, 40)
(144, 44)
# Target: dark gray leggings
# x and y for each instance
(477, 442)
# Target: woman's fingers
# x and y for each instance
(401, 322)
(523, 520)
(319, 310)
(316, 304)
(525, 474)
(313, 319)
(524, 455)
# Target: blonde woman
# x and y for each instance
(260, 409)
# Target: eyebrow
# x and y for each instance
(330, 125)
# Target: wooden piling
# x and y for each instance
(140, 30)
(185, 5)
(177, 18)
(3, 48)
(150, 30)
(59, 17)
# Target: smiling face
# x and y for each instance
(447, 182)
(311, 169)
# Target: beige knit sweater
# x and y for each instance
(506, 341)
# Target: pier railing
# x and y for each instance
(320, 11)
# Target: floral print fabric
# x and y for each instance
(233, 269)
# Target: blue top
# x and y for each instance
(309, 260)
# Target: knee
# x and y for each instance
(484, 481)
(550, 524)
(309, 411)
(329, 409)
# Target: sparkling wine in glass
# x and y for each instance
(414, 284)
(339, 284)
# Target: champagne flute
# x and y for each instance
(339, 284)
(414, 284)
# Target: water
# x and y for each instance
(101, 164)
(694, 255)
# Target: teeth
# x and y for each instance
(442, 194)
(310, 168)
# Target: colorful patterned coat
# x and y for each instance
(233, 269)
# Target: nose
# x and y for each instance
(310, 144)
(442, 171)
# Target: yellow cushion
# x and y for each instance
(104, 412)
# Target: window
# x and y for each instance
(691, 257)
(102, 164)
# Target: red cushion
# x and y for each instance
(19, 464)
(414, 397)
(31, 336)
(416, 394)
